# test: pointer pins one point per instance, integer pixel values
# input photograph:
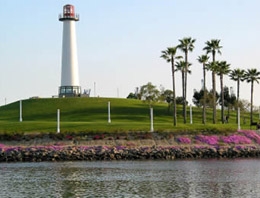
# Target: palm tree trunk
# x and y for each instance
(185, 89)
(222, 99)
(251, 107)
(204, 95)
(214, 90)
(214, 97)
(238, 84)
(174, 96)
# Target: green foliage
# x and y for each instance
(89, 115)
(132, 96)
(169, 54)
(179, 100)
(149, 93)
(213, 47)
(251, 76)
(229, 99)
(167, 95)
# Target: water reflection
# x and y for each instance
(198, 178)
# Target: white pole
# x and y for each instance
(190, 114)
(109, 119)
(238, 118)
(58, 121)
(21, 111)
(151, 115)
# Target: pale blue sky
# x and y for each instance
(120, 43)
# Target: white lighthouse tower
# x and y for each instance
(69, 73)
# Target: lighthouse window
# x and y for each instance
(62, 90)
(75, 90)
(68, 90)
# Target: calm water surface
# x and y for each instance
(197, 178)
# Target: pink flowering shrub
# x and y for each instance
(120, 147)
(184, 140)
(99, 137)
(252, 135)
(236, 139)
(211, 139)
(69, 137)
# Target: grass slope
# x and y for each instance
(91, 115)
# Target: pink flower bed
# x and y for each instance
(211, 139)
(251, 135)
(184, 140)
(236, 139)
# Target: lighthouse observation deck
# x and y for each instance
(68, 13)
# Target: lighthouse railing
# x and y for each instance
(64, 17)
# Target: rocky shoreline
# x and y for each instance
(83, 153)
(241, 144)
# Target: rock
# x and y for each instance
(34, 154)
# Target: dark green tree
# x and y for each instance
(167, 95)
(200, 98)
(131, 96)
(180, 100)
(229, 99)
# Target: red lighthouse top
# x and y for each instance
(68, 13)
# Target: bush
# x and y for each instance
(99, 137)
(236, 139)
(211, 140)
(184, 140)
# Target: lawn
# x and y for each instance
(91, 115)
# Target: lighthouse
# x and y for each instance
(69, 64)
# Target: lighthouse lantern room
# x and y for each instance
(69, 70)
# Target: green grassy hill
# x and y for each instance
(91, 115)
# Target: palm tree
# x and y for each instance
(204, 59)
(213, 47)
(222, 69)
(251, 76)
(169, 56)
(186, 45)
(181, 66)
(237, 75)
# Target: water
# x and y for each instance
(197, 178)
